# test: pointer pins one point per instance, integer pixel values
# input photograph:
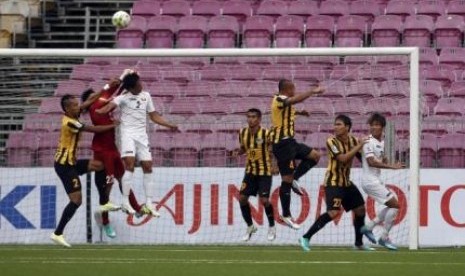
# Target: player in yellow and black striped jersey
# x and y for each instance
(67, 167)
(340, 192)
(285, 148)
(254, 142)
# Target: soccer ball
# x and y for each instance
(121, 19)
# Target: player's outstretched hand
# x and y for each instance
(174, 128)
(235, 153)
(363, 140)
(303, 113)
(318, 90)
(398, 165)
(115, 82)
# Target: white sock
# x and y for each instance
(126, 185)
(149, 188)
(389, 221)
(378, 219)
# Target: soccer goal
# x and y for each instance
(206, 92)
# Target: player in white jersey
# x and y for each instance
(373, 160)
(135, 104)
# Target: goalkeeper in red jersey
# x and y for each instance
(106, 151)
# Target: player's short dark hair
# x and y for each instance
(130, 80)
(345, 119)
(86, 94)
(256, 111)
(282, 84)
(377, 118)
(65, 101)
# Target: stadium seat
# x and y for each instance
(303, 8)
(240, 9)
(176, 8)
(350, 31)
(392, 60)
(184, 106)
(365, 8)
(349, 106)
(417, 30)
(428, 150)
(428, 56)
(431, 91)
(448, 31)
(402, 8)
(42, 122)
(346, 72)
(454, 57)
(232, 89)
(277, 73)
(383, 105)
(397, 89)
(184, 150)
(359, 60)
(146, 8)
(206, 8)
(318, 141)
(46, 148)
(20, 149)
(452, 107)
(334, 8)
(160, 32)
(218, 107)
(159, 146)
(433, 8)
(133, 36)
(438, 125)
(50, 105)
(334, 90)
(319, 106)
(319, 31)
(289, 31)
(73, 87)
(191, 32)
(443, 73)
(386, 31)
(257, 32)
(456, 7)
(222, 32)
(365, 89)
(264, 89)
(272, 8)
(178, 73)
(214, 73)
(86, 72)
(306, 73)
(215, 150)
(457, 89)
(451, 151)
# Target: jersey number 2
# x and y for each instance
(138, 104)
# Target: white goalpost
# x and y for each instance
(414, 129)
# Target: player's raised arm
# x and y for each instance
(303, 96)
(159, 120)
(98, 129)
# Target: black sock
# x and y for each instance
(317, 225)
(245, 209)
(285, 197)
(101, 183)
(359, 221)
(269, 214)
(304, 166)
(68, 213)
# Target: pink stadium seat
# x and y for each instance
(383, 105)
(100, 60)
(184, 106)
(319, 107)
(200, 89)
(438, 125)
(448, 31)
(272, 8)
(417, 30)
(179, 73)
(73, 87)
(222, 32)
(350, 31)
(47, 147)
(240, 9)
(349, 106)
(431, 91)
(306, 73)
(133, 35)
(428, 56)
(159, 145)
(87, 72)
(263, 89)
(365, 89)
(402, 8)
(164, 89)
(359, 60)
(451, 151)
(403, 107)
(42, 122)
(145, 8)
(216, 149)
(277, 73)
(206, 8)
(50, 105)
(334, 8)
(397, 89)
(443, 73)
(176, 8)
(365, 8)
(325, 61)
(456, 7)
(232, 89)
(319, 32)
(386, 31)
(457, 89)
(257, 32)
(289, 31)
(148, 72)
(184, 150)
(428, 151)
(303, 8)
(392, 60)
(20, 149)
(433, 8)
(452, 107)
(345, 72)
(318, 141)
(334, 90)
(160, 32)
(218, 107)
(191, 32)
(454, 57)
(214, 73)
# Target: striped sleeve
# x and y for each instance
(281, 101)
(332, 147)
(74, 126)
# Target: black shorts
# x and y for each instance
(69, 175)
(288, 150)
(253, 184)
(347, 197)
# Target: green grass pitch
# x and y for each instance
(88, 260)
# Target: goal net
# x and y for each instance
(207, 93)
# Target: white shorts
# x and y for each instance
(375, 189)
(132, 147)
